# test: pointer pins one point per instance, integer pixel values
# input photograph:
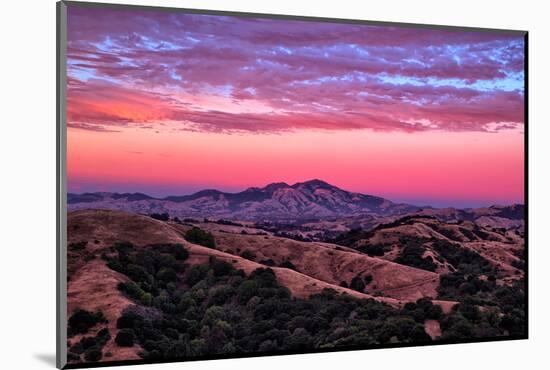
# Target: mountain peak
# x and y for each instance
(275, 185)
(315, 183)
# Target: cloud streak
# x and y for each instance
(135, 68)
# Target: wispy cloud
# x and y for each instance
(227, 74)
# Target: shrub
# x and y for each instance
(213, 314)
(88, 342)
(200, 237)
(373, 249)
(435, 312)
(132, 289)
(77, 348)
(265, 277)
(128, 320)
(287, 264)
(268, 262)
(247, 290)
(179, 252)
(411, 255)
(93, 354)
(514, 322)
(268, 345)
(73, 357)
(103, 333)
(357, 284)
(78, 246)
(195, 274)
(221, 294)
(468, 288)
(299, 340)
(146, 299)
(367, 279)
(249, 255)
(81, 321)
(462, 258)
(470, 312)
(456, 326)
(418, 315)
(91, 346)
(424, 303)
(220, 267)
(125, 338)
(136, 273)
(123, 246)
(160, 216)
(166, 274)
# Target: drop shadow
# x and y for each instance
(46, 358)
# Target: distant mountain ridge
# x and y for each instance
(313, 199)
(302, 200)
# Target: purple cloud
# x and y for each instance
(136, 67)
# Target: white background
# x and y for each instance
(27, 182)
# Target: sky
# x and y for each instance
(171, 103)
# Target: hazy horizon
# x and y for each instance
(183, 190)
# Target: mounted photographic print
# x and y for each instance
(236, 184)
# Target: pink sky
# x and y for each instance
(168, 104)
(429, 168)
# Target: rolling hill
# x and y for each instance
(328, 262)
(406, 266)
(428, 242)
